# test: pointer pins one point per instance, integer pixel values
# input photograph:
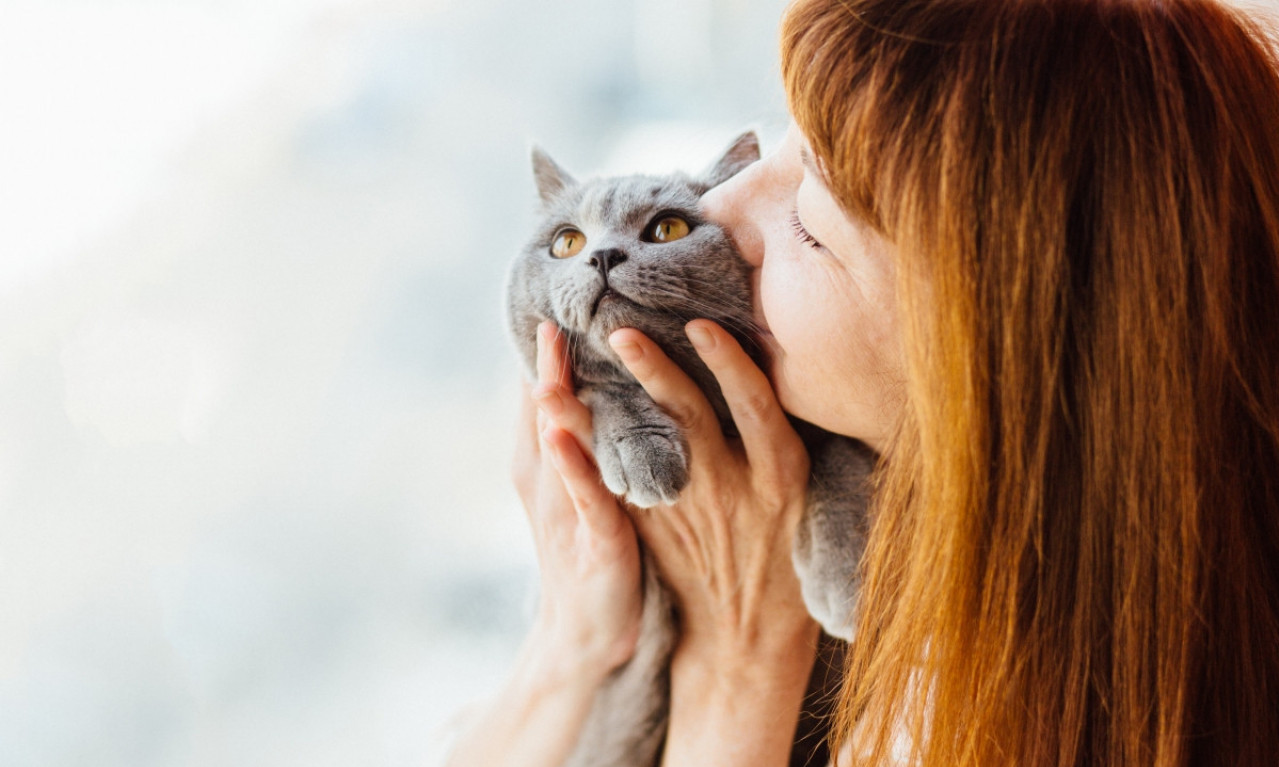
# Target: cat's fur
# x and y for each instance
(623, 279)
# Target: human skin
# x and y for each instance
(588, 616)
(746, 643)
(826, 301)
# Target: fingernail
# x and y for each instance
(549, 401)
(546, 333)
(628, 351)
(702, 340)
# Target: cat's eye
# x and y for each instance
(568, 243)
(668, 229)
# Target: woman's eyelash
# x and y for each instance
(802, 233)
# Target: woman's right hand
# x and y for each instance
(588, 619)
(588, 554)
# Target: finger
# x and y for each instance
(553, 394)
(564, 411)
(548, 505)
(773, 448)
(596, 506)
(552, 510)
(526, 435)
(527, 455)
(673, 390)
(553, 365)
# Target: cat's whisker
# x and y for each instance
(743, 323)
(561, 335)
(666, 285)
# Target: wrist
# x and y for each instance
(739, 641)
(537, 718)
(779, 658)
(739, 703)
(556, 658)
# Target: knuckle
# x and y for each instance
(687, 416)
(577, 483)
(756, 406)
(794, 469)
(580, 503)
(786, 476)
(577, 420)
(585, 498)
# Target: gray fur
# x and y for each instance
(641, 451)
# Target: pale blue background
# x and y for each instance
(255, 393)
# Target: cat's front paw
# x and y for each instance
(827, 548)
(648, 468)
(829, 600)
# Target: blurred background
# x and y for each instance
(255, 391)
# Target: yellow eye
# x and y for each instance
(568, 243)
(669, 229)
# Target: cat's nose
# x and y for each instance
(606, 259)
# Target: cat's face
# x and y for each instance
(633, 251)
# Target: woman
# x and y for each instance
(1030, 251)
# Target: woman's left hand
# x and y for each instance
(724, 547)
(747, 643)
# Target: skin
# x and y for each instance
(747, 644)
(829, 307)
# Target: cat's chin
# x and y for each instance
(607, 300)
(612, 311)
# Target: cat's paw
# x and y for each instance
(648, 469)
(829, 600)
(825, 556)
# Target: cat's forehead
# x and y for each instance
(630, 200)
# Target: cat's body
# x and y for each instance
(635, 251)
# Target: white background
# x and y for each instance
(255, 393)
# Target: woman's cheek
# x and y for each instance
(795, 318)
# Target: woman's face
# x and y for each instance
(824, 294)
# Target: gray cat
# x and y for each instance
(635, 251)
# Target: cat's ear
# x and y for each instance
(742, 152)
(550, 178)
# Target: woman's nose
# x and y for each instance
(731, 206)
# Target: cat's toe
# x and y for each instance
(612, 469)
(649, 493)
(831, 606)
(656, 469)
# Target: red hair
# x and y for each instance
(1075, 554)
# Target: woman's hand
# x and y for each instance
(724, 548)
(588, 556)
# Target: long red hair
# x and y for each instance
(1075, 554)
